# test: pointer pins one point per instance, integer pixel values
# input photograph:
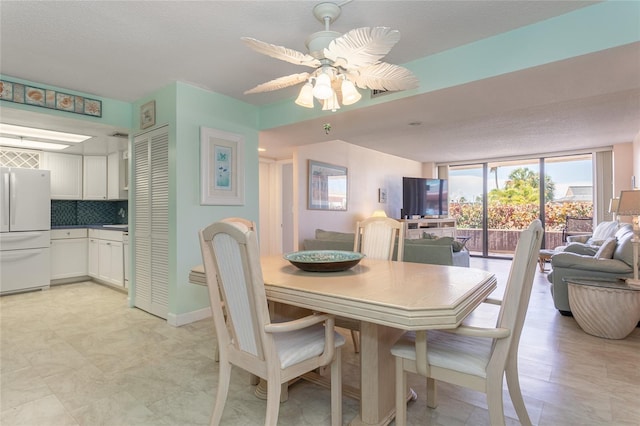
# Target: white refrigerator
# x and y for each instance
(25, 223)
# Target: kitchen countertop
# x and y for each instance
(110, 227)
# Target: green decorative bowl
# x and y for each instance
(324, 260)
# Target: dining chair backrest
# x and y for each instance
(251, 225)
(231, 251)
(517, 293)
(376, 238)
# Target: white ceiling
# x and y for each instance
(125, 50)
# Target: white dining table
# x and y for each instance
(388, 298)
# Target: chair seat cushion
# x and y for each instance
(447, 350)
(299, 345)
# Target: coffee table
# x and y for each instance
(602, 307)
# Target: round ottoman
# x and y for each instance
(609, 309)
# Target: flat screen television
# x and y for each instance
(424, 197)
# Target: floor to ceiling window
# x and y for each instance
(494, 201)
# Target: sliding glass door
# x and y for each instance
(494, 201)
(466, 204)
(572, 195)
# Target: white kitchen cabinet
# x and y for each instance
(116, 177)
(66, 175)
(94, 177)
(69, 253)
(93, 263)
(106, 257)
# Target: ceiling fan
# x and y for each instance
(341, 62)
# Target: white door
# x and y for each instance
(150, 279)
(29, 200)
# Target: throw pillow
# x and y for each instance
(606, 249)
(428, 236)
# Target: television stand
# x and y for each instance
(443, 227)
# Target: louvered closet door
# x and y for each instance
(151, 239)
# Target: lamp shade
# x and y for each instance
(629, 204)
(305, 97)
(350, 94)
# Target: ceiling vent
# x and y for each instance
(120, 135)
(376, 92)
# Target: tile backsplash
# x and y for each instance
(66, 213)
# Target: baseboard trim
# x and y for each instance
(178, 320)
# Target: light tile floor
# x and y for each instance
(77, 355)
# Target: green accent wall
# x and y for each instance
(185, 109)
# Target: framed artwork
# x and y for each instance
(35, 96)
(221, 167)
(47, 98)
(148, 115)
(328, 187)
(64, 102)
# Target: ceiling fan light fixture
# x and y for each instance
(333, 56)
(322, 89)
(350, 94)
(305, 97)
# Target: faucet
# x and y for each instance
(122, 213)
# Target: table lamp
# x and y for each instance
(630, 206)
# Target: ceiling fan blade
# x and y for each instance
(383, 76)
(279, 83)
(361, 47)
(280, 52)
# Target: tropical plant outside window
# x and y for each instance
(513, 199)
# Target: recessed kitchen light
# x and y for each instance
(415, 123)
(28, 143)
(32, 132)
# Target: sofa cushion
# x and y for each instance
(606, 249)
(624, 248)
(335, 236)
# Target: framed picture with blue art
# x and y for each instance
(221, 167)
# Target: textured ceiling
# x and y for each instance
(126, 50)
